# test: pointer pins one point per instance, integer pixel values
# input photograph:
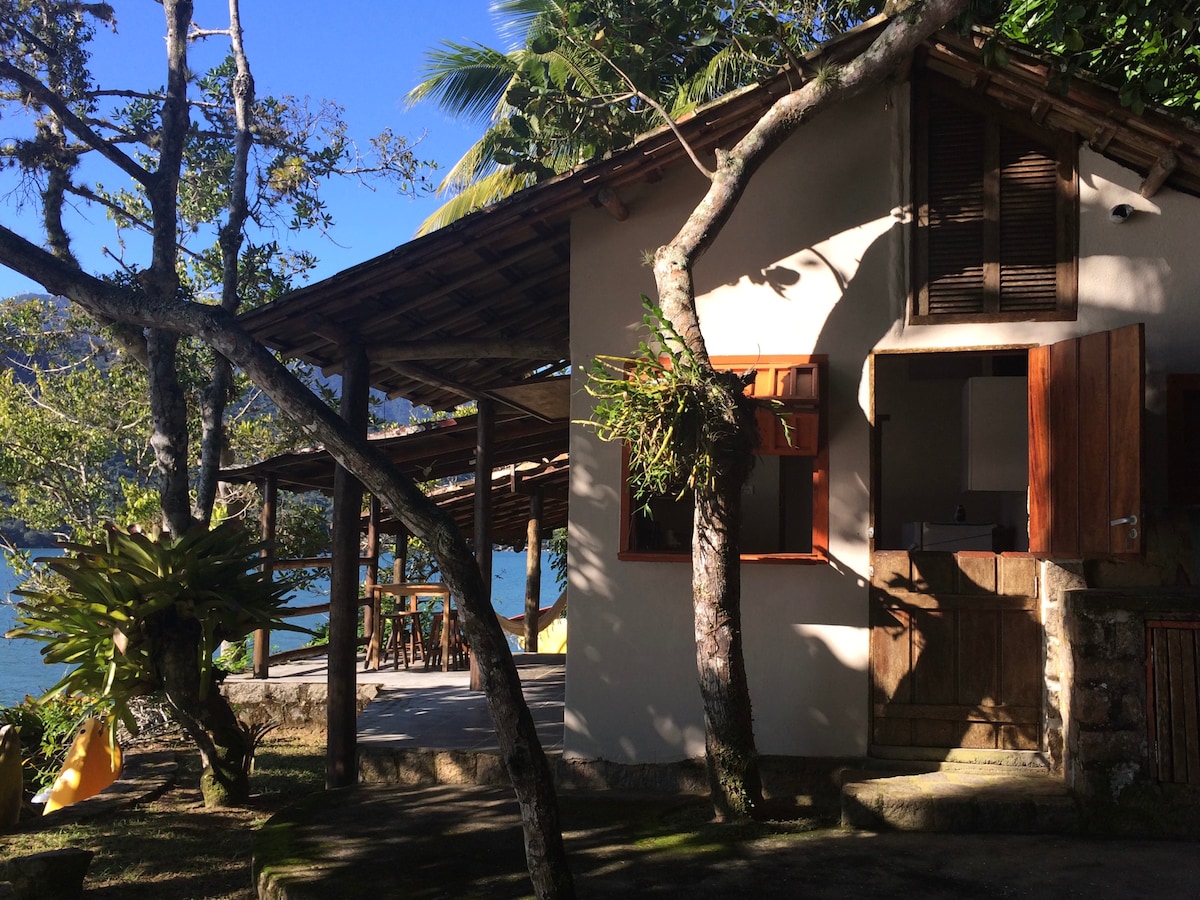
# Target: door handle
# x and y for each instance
(1130, 521)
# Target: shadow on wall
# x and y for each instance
(956, 651)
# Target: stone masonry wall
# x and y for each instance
(1103, 694)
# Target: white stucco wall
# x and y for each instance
(813, 261)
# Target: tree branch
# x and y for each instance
(656, 106)
(77, 126)
(86, 193)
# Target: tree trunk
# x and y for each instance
(717, 593)
(716, 584)
(203, 712)
(730, 753)
(168, 407)
(521, 751)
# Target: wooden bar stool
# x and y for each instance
(455, 647)
(405, 640)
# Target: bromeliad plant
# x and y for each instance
(682, 421)
(136, 616)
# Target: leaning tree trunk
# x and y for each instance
(520, 750)
(202, 711)
(729, 738)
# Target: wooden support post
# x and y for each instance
(341, 749)
(533, 569)
(484, 441)
(267, 523)
(400, 560)
(372, 624)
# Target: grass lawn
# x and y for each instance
(174, 848)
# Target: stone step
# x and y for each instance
(960, 799)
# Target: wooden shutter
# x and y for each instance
(996, 223)
(1085, 441)
(952, 216)
(1028, 224)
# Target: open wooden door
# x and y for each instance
(1085, 445)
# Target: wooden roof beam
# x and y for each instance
(395, 310)
(611, 201)
(425, 375)
(498, 348)
(1158, 174)
(429, 376)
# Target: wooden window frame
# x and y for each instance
(929, 88)
(807, 400)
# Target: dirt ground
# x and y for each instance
(465, 842)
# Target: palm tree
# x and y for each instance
(575, 87)
(474, 82)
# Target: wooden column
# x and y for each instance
(371, 620)
(341, 750)
(267, 520)
(533, 570)
(484, 440)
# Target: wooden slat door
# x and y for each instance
(1173, 693)
(956, 650)
(1085, 445)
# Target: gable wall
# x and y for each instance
(814, 260)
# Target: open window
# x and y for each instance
(785, 503)
(996, 212)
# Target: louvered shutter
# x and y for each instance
(995, 217)
(955, 211)
(1028, 225)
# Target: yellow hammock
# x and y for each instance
(93, 763)
(545, 617)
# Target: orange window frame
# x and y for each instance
(799, 383)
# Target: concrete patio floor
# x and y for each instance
(419, 708)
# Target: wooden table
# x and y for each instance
(414, 592)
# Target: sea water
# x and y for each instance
(22, 671)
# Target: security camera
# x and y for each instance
(1120, 213)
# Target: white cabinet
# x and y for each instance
(996, 439)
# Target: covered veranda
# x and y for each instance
(466, 314)
(528, 487)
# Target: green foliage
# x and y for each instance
(46, 729)
(684, 423)
(589, 76)
(234, 657)
(558, 557)
(75, 414)
(72, 417)
(121, 596)
(1148, 50)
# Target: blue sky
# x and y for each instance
(364, 54)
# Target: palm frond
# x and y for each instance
(467, 81)
(479, 161)
(516, 20)
(486, 190)
(727, 70)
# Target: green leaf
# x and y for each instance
(546, 42)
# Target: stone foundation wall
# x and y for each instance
(1103, 696)
(293, 705)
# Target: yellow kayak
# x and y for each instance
(93, 763)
